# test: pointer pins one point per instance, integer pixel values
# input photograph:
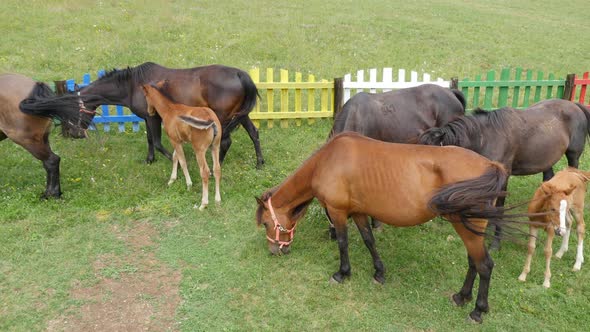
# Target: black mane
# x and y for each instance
(139, 74)
(461, 131)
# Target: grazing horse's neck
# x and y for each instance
(296, 189)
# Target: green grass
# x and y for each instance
(230, 281)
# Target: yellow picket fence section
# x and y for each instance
(297, 99)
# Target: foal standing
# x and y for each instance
(198, 125)
(561, 199)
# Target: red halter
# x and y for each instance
(279, 228)
(83, 108)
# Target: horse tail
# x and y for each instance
(459, 95)
(473, 198)
(587, 114)
(199, 123)
(250, 97)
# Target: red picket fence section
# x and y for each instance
(580, 95)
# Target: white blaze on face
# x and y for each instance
(562, 214)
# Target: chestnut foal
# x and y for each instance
(556, 202)
(198, 125)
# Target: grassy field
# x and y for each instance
(50, 249)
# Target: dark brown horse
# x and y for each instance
(399, 116)
(230, 92)
(525, 142)
(26, 111)
(401, 185)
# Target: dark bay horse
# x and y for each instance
(401, 185)
(26, 111)
(399, 116)
(526, 142)
(230, 92)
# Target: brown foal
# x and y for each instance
(197, 125)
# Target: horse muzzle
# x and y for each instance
(277, 250)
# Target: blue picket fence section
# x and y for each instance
(118, 117)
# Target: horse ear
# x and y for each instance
(259, 201)
(547, 188)
(570, 189)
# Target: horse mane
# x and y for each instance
(461, 130)
(137, 74)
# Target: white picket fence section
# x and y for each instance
(387, 83)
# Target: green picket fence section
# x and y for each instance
(519, 90)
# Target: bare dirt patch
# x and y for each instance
(136, 292)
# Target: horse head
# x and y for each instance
(279, 223)
(432, 136)
(557, 203)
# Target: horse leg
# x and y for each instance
(41, 150)
(225, 144)
(204, 172)
(253, 133)
(533, 231)
(174, 174)
(216, 171)
(148, 128)
(156, 131)
(481, 263)
(580, 229)
(362, 223)
(339, 218)
(548, 174)
(331, 230)
(565, 243)
(179, 152)
(377, 225)
(495, 245)
(548, 254)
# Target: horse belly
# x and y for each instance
(538, 155)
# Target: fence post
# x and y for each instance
(569, 92)
(60, 87)
(454, 83)
(338, 95)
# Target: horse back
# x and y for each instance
(13, 89)
(398, 116)
(392, 182)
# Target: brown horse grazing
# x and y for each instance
(525, 142)
(230, 92)
(399, 116)
(198, 125)
(26, 111)
(561, 200)
(401, 185)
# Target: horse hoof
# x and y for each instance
(458, 300)
(334, 281)
(474, 318)
(378, 281)
(201, 208)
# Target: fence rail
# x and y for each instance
(517, 92)
(292, 97)
(386, 83)
(580, 95)
(309, 99)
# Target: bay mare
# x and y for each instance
(398, 116)
(401, 185)
(526, 141)
(26, 112)
(229, 91)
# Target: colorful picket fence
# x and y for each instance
(298, 99)
(517, 91)
(292, 97)
(581, 95)
(117, 115)
(385, 82)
